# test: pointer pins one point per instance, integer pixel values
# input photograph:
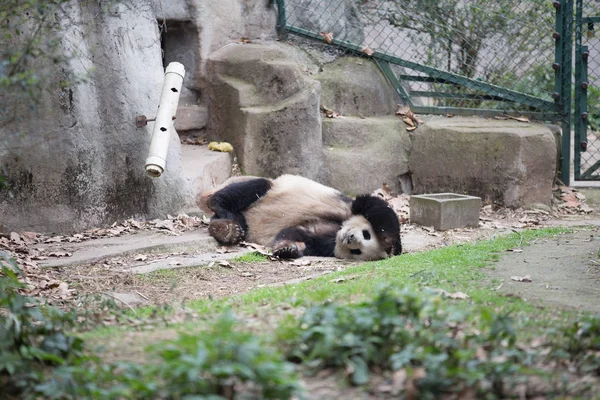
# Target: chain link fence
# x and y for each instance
(445, 56)
(587, 91)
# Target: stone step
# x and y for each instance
(96, 250)
(205, 169)
(361, 154)
(191, 117)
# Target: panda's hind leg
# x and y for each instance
(297, 241)
(228, 225)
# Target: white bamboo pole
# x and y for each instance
(163, 126)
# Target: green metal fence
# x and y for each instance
(586, 116)
(473, 57)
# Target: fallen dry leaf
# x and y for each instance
(29, 237)
(301, 262)
(225, 264)
(520, 119)
(327, 36)
(140, 257)
(398, 381)
(15, 237)
(526, 278)
(257, 247)
(515, 250)
(60, 254)
(329, 113)
(408, 121)
(367, 50)
(412, 392)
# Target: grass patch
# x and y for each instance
(452, 268)
(252, 257)
(161, 275)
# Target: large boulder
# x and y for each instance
(263, 102)
(78, 160)
(356, 86)
(508, 162)
(361, 154)
(225, 21)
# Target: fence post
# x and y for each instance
(281, 19)
(563, 79)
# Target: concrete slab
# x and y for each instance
(445, 211)
(186, 261)
(144, 242)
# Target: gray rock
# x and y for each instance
(205, 169)
(356, 86)
(267, 107)
(509, 162)
(78, 160)
(222, 22)
(361, 154)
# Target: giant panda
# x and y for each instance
(296, 217)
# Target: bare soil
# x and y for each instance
(564, 271)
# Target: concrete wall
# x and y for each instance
(77, 159)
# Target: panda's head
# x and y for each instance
(372, 233)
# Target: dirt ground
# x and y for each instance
(563, 271)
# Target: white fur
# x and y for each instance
(294, 201)
(350, 237)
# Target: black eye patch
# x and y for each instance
(366, 234)
(356, 251)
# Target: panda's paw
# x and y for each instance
(289, 250)
(226, 231)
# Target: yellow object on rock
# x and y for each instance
(220, 146)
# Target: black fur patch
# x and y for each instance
(233, 199)
(316, 245)
(382, 218)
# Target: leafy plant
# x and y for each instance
(409, 331)
(220, 363)
(580, 343)
(33, 335)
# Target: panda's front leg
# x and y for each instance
(290, 243)
(297, 241)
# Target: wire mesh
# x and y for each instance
(588, 75)
(505, 43)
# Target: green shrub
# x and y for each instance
(220, 363)
(580, 344)
(405, 329)
(33, 336)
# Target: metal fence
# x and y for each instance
(450, 56)
(586, 115)
(477, 57)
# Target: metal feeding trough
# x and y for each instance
(445, 211)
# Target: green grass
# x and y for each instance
(252, 257)
(453, 268)
(161, 275)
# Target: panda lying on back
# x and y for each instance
(297, 217)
